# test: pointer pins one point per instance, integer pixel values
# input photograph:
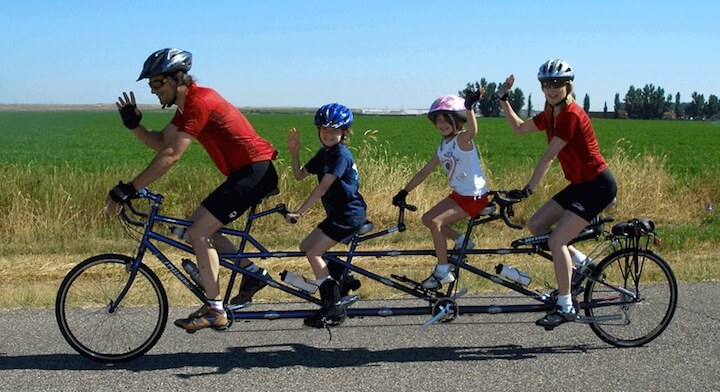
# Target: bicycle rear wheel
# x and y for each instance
(642, 311)
(82, 309)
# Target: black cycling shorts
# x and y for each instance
(243, 189)
(589, 198)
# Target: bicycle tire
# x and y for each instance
(631, 323)
(81, 309)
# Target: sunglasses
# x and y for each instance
(157, 83)
(554, 83)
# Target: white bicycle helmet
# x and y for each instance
(555, 69)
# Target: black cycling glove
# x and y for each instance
(399, 199)
(520, 194)
(471, 99)
(130, 117)
(123, 192)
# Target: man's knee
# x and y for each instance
(197, 237)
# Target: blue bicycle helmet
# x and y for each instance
(166, 61)
(333, 115)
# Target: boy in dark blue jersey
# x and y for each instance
(337, 188)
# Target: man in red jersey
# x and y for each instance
(235, 148)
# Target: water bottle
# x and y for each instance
(194, 272)
(513, 274)
(298, 281)
(180, 232)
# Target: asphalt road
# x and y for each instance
(481, 352)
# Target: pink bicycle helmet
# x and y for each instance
(451, 105)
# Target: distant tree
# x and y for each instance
(696, 106)
(516, 99)
(677, 105)
(529, 106)
(605, 112)
(713, 106)
(618, 105)
(586, 103)
(648, 102)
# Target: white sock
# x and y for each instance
(579, 259)
(217, 305)
(441, 270)
(253, 268)
(565, 303)
(318, 282)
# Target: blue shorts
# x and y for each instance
(341, 231)
(589, 198)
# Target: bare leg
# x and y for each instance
(205, 225)
(438, 219)
(315, 245)
(565, 230)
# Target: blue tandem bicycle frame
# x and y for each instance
(441, 304)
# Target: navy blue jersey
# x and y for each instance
(342, 200)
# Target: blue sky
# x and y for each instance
(372, 54)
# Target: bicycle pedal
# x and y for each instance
(349, 300)
(234, 308)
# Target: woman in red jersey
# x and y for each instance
(570, 139)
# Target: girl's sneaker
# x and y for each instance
(435, 282)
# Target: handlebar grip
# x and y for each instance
(282, 209)
(409, 207)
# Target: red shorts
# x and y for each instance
(472, 205)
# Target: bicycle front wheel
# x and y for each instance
(631, 299)
(83, 309)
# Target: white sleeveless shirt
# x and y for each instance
(465, 175)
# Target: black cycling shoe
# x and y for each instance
(556, 317)
(331, 313)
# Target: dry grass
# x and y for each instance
(51, 221)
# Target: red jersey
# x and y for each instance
(580, 159)
(222, 129)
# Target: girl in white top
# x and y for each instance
(459, 158)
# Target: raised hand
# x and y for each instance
(504, 89)
(473, 97)
(293, 141)
(129, 112)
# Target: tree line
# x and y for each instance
(649, 102)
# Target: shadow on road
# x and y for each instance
(289, 355)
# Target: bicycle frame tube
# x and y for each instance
(232, 261)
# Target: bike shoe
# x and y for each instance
(204, 317)
(326, 317)
(556, 317)
(248, 287)
(435, 282)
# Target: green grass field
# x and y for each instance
(56, 168)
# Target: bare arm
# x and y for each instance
(293, 141)
(517, 124)
(165, 158)
(317, 193)
(421, 175)
(553, 149)
(155, 140)
(465, 138)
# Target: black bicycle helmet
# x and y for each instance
(166, 61)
